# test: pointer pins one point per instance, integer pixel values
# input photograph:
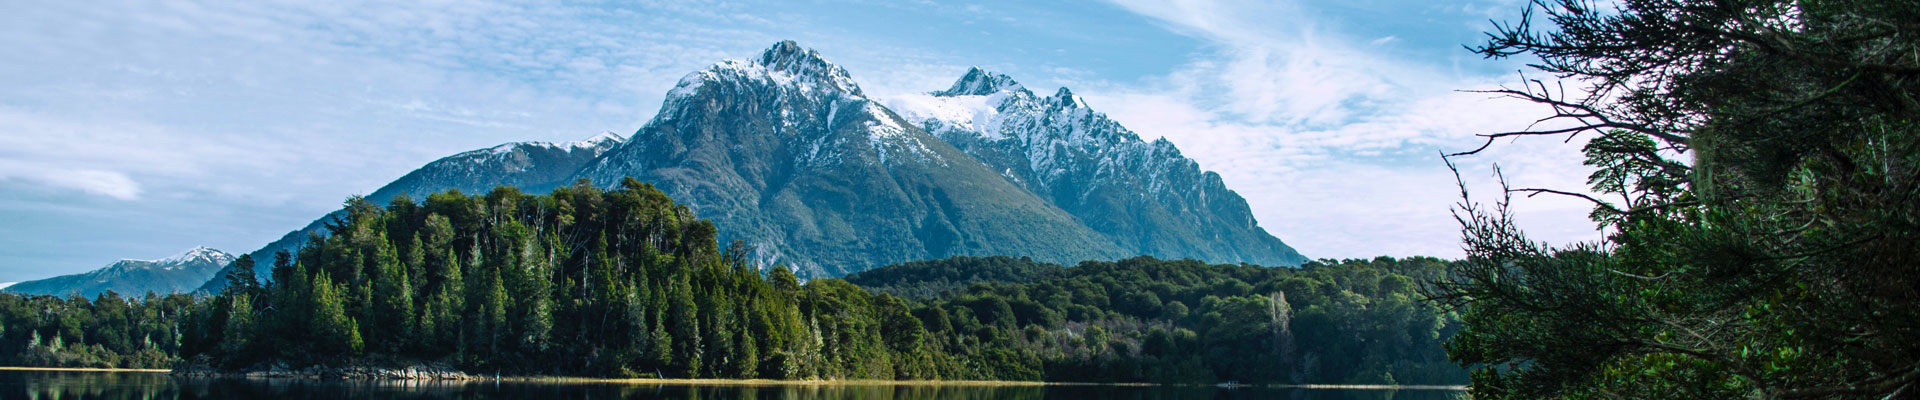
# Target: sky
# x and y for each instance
(139, 129)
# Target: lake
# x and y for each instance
(67, 385)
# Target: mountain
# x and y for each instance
(1144, 196)
(786, 153)
(531, 166)
(134, 278)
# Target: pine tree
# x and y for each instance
(686, 328)
(451, 297)
(241, 279)
(239, 328)
(495, 306)
(291, 318)
(334, 332)
(746, 355)
(393, 303)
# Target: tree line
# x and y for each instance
(624, 282)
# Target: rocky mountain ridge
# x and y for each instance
(1144, 195)
(134, 278)
(787, 153)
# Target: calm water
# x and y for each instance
(37, 385)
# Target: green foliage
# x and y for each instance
(106, 332)
(1128, 321)
(626, 283)
(1778, 262)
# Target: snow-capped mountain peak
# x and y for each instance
(785, 66)
(1066, 99)
(198, 253)
(1059, 146)
(804, 64)
(132, 278)
(598, 142)
(604, 138)
(980, 82)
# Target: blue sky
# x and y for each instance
(137, 129)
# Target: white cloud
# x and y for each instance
(100, 182)
(1273, 62)
(1335, 145)
(226, 123)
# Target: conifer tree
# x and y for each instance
(334, 332)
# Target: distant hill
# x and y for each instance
(531, 166)
(134, 278)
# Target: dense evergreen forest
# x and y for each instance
(627, 283)
(105, 332)
(1142, 319)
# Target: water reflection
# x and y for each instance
(40, 385)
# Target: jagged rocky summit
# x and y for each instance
(1145, 196)
(786, 153)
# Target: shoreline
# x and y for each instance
(72, 369)
(758, 382)
(1456, 388)
(784, 382)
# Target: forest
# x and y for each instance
(626, 283)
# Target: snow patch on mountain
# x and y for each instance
(605, 137)
(785, 66)
(805, 90)
(1052, 131)
(196, 254)
(516, 153)
(1058, 146)
(965, 113)
(980, 82)
(173, 274)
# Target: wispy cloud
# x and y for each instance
(135, 128)
(105, 183)
(227, 123)
(1335, 141)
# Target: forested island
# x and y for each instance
(627, 283)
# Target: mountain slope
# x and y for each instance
(134, 278)
(1145, 196)
(786, 153)
(531, 166)
(534, 167)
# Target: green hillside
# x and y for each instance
(627, 282)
